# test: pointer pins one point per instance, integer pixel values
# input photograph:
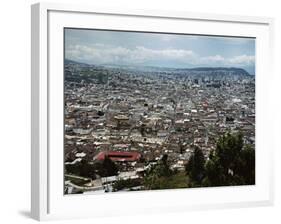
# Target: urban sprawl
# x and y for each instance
(120, 121)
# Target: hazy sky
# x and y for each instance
(154, 49)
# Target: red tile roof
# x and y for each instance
(119, 156)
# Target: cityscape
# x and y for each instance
(154, 111)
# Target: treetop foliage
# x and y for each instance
(231, 163)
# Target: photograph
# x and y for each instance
(157, 111)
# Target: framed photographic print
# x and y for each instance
(148, 111)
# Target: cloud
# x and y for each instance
(240, 60)
(107, 54)
(165, 54)
(212, 59)
(243, 59)
(99, 54)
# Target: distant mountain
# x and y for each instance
(68, 62)
(201, 71)
(216, 70)
(191, 71)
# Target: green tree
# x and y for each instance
(82, 168)
(214, 173)
(228, 150)
(157, 175)
(245, 167)
(108, 168)
(195, 167)
(128, 183)
(231, 163)
(164, 167)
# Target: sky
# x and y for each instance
(101, 47)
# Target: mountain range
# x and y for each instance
(187, 71)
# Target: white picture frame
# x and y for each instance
(47, 200)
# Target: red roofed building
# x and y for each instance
(119, 156)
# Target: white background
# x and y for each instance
(15, 110)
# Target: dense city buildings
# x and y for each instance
(121, 121)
